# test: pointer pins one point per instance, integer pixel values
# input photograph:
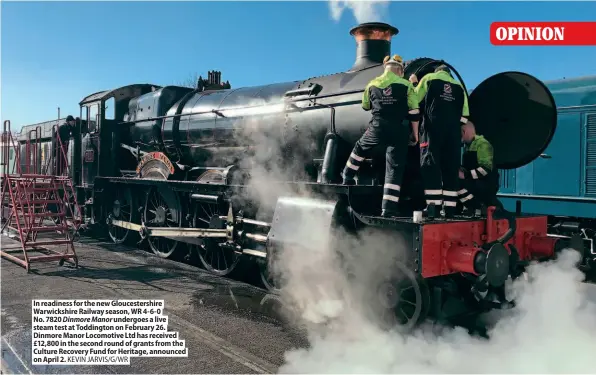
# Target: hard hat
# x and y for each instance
(393, 60)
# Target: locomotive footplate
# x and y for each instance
(380, 221)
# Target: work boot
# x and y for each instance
(471, 212)
(449, 212)
(390, 213)
(467, 212)
(430, 211)
(348, 180)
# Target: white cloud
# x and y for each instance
(363, 11)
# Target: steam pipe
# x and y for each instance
(256, 237)
(250, 221)
(205, 198)
(256, 222)
(328, 167)
(496, 213)
(332, 124)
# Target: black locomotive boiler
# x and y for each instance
(219, 169)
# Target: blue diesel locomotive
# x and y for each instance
(562, 181)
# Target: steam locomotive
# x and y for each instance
(247, 172)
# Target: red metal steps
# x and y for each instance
(28, 199)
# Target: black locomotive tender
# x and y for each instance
(169, 164)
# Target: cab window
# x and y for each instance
(84, 117)
(110, 109)
(93, 118)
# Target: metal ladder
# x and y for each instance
(28, 198)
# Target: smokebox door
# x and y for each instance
(517, 114)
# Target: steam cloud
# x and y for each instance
(550, 331)
(327, 280)
(364, 11)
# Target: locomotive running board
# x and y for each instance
(398, 221)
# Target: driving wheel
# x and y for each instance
(216, 259)
(162, 209)
(122, 208)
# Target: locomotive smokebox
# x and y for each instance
(373, 43)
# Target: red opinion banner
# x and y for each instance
(543, 33)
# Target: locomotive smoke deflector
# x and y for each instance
(373, 43)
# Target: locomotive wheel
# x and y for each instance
(162, 209)
(217, 260)
(122, 209)
(403, 299)
(267, 279)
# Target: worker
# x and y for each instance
(391, 100)
(444, 106)
(479, 181)
(61, 157)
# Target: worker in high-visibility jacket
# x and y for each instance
(479, 180)
(444, 107)
(391, 100)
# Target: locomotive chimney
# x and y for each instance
(373, 43)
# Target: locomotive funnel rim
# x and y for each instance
(517, 114)
(375, 25)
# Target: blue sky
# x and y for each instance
(55, 53)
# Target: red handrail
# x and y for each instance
(8, 142)
(63, 159)
(31, 166)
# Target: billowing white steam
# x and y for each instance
(364, 11)
(552, 330)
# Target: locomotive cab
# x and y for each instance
(97, 150)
